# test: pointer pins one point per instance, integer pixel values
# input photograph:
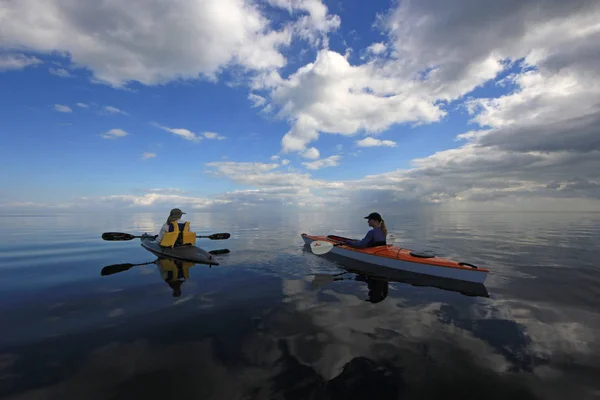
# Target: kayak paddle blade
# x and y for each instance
(117, 236)
(216, 236)
(113, 269)
(319, 247)
(220, 251)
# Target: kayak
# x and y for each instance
(399, 258)
(186, 253)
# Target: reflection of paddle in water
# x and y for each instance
(174, 272)
(378, 287)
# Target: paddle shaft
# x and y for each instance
(114, 236)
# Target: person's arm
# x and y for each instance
(362, 243)
(162, 232)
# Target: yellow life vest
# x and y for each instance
(178, 235)
(172, 270)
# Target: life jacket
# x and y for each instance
(178, 235)
(172, 270)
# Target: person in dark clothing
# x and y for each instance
(376, 236)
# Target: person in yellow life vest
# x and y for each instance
(175, 232)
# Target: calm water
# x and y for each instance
(261, 325)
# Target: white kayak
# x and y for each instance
(186, 253)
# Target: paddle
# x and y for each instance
(112, 236)
(320, 247)
(113, 269)
(219, 251)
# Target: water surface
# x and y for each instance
(262, 325)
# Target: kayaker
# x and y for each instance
(376, 236)
(175, 232)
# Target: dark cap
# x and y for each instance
(374, 216)
(176, 211)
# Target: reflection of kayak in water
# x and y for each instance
(173, 271)
(378, 278)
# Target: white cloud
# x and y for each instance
(315, 24)
(146, 156)
(332, 96)
(62, 108)
(181, 132)
(63, 73)
(213, 135)
(114, 40)
(114, 134)
(82, 105)
(331, 161)
(153, 199)
(114, 110)
(285, 162)
(257, 101)
(377, 48)
(274, 158)
(372, 142)
(540, 140)
(312, 153)
(166, 190)
(263, 175)
(13, 61)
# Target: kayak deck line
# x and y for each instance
(403, 259)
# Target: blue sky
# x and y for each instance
(296, 102)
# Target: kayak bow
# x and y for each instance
(395, 257)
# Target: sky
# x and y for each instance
(232, 104)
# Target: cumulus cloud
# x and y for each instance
(312, 153)
(537, 140)
(372, 142)
(114, 134)
(151, 41)
(331, 161)
(263, 175)
(62, 108)
(315, 22)
(63, 73)
(17, 61)
(82, 105)
(333, 96)
(377, 48)
(257, 101)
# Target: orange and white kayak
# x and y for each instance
(399, 258)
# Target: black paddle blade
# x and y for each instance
(220, 251)
(117, 236)
(217, 236)
(113, 269)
